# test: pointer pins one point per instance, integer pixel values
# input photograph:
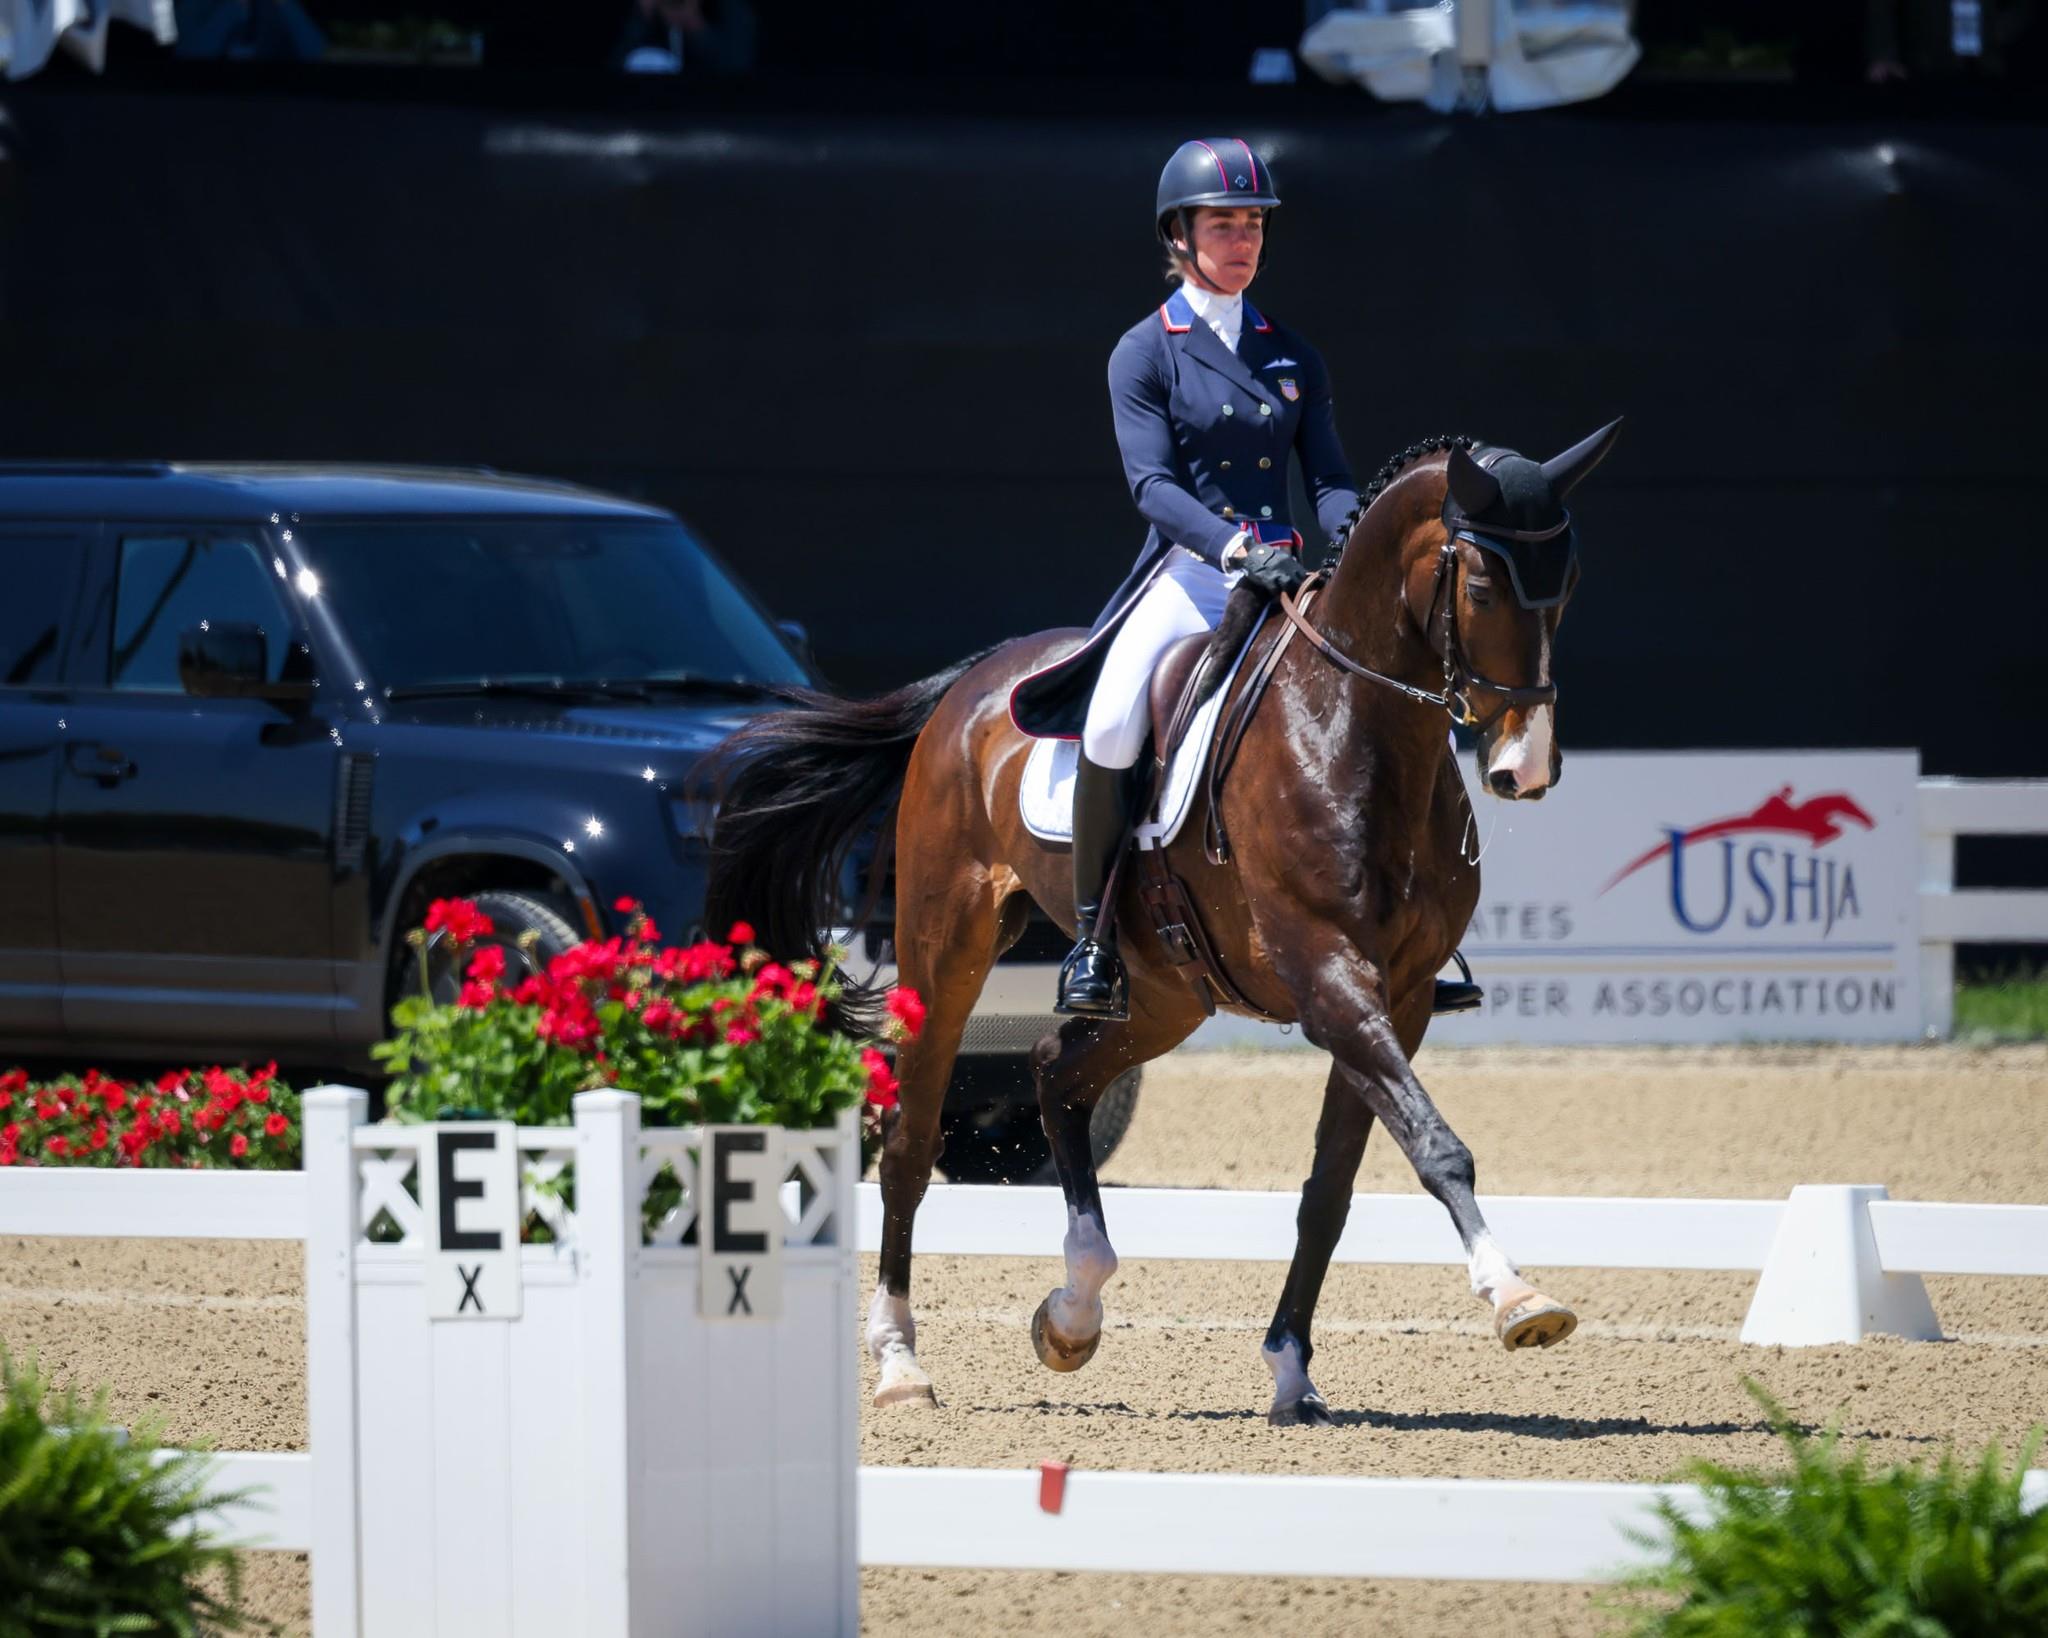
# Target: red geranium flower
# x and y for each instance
(882, 1085)
(276, 1125)
(907, 1008)
(57, 1146)
(463, 922)
(488, 964)
(238, 1146)
(773, 979)
(742, 933)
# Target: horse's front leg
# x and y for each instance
(1344, 1010)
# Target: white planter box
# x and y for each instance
(609, 1462)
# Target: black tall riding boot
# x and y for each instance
(1092, 978)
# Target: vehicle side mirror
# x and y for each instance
(229, 660)
(798, 636)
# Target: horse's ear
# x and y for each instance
(1475, 489)
(1564, 471)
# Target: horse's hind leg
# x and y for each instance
(1325, 1203)
(1072, 1068)
(946, 939)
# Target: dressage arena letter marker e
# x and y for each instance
(743, 1223)
(469, 1192)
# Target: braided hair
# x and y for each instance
(1396, 464)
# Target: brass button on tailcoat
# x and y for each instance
(1265, 409)
(1265, 511)
(1224, 466)
(1229, 410)
(1229, 512)
(1264, 462)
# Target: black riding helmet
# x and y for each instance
(1221, 171)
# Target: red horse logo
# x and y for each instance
(1818, 819)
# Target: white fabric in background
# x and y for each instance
(31, 29)
(1542, 52)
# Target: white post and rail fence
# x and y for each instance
(1987, 915)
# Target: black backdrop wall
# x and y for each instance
(864, 354)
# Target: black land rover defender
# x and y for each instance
(254, 718)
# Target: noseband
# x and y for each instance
(1460, 677)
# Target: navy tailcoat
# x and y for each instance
(1206, 435)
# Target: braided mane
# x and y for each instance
(1395, 465)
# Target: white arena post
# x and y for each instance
(1824, 1281)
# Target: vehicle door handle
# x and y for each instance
(103, 763)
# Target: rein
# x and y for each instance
(1460, 677)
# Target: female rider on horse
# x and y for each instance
(1210, 399)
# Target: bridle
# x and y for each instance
(1460, 676)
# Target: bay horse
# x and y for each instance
(1347, 884)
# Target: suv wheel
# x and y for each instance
(991, 1126)
(512, 914)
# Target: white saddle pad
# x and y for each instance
(1046, 796)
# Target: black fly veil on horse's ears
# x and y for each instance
(1513, 508)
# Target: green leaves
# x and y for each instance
(96, 1534)
(1830, 1547)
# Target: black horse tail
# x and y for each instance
(798, 790)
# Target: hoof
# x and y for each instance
(904, 1384)
(1535, 1322)
(1054, 1352)
(1309, 1411)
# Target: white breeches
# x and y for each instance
(1188, 596)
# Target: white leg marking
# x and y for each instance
(1290, 1377)
(891, 1329)
(1075, 1309)
(1492, 1273)
(892, 1342)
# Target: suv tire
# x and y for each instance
(991, 1127)
(513, 913)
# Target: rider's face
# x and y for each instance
(1226, 247)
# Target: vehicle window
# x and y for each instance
(37, 571)
(432, 602)
(167, 583)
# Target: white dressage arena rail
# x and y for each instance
(1836, 1261)
(1972, 807)
(1177, 1523)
